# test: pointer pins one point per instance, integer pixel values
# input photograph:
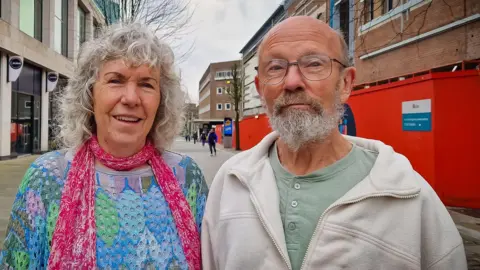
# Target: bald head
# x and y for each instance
(306, 28)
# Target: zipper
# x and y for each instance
(349, 202)
(285, 260)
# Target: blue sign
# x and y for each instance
(417, 115)
(227, 127)
(417, 121)
(347, 123)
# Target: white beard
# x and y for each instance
(297, 127)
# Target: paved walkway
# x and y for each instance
(11, 173)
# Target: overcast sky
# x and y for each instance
(220, 30)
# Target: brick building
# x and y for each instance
(313, 8)
(393, 38)
(214, 103)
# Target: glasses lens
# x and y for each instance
(315, 67)
(275, 71)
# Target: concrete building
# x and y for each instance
(191, 113)
(313, 8)
(40, 38)
(251, 100)
(391, 39)
(214, 102)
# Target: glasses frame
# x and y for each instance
(289, 64)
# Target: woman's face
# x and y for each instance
(125, 102)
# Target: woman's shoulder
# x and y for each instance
(52, 161)
(51, 167)
(174, 159)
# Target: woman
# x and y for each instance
(116, 199)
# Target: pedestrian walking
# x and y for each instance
(325, 200)
(212, 141)
(195, 138)
(115, 197)
(203, 137)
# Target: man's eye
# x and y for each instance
(115, 81)
(275, 68)
(314, 64)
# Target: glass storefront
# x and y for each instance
(26, 111)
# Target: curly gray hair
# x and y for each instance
(137, 45)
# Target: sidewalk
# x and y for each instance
(11, 174)
(468, 224)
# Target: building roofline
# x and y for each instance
(265, 25)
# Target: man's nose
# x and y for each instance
(293, 79)
(130, 95)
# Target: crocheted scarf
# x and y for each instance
(74, 238)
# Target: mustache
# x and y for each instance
(296, 98)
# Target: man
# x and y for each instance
(203, 137)
(212, 141)
(307, 197)
(195, 138)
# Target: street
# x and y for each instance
(11, 173)
(201, 155)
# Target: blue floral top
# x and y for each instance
(135, 227)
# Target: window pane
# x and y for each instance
(36, 123)
(38, 20)
(65, 27)
(58, 35)
(58, 8)
(27, 17)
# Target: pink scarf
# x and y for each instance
(74, 238)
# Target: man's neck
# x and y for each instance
(313, 156)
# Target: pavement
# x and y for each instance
(12, 171)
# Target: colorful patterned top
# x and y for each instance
(135, 227)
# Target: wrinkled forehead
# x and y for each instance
(296, 39)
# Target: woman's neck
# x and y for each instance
(120, 150)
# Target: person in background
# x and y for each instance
(212, 141)
(307, 197)
(195, 138)
(115, 198)
(203, 137)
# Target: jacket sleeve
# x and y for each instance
(208, 261)
(210, 221)
(442, 244)
(455, 259)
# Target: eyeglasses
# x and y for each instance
(312, 67)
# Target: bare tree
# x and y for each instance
(235, 93)
(170, 19)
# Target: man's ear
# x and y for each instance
(257, 85)
(348, 80)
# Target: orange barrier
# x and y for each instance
(445, 156)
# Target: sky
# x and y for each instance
(219, 30)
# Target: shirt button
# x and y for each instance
(296, 186)
(292, 226)
(294, 203)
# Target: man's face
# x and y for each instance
(300, 109)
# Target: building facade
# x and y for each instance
(40, 38)
(391, 39)
(313, 8)
(252, 104)
(190, 112)
(214, 102)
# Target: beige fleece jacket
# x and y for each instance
(391, 220)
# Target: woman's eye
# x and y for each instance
(146, 85)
